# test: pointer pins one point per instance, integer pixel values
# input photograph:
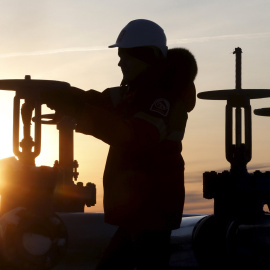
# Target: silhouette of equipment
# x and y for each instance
(238, 232)
(262, 112)
(40, 191)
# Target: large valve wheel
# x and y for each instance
(22, 86)
(240, 153)
(29, 90)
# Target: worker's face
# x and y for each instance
(131, 67)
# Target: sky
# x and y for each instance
(67, 40)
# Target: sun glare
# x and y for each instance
(6, 143)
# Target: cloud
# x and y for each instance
(219, 37)
(55, 51)
(170, 43)
(259, 166)
(195, 203)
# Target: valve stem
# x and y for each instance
(238, 67)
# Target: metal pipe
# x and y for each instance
(238, 127)
(228, 133)
(238, 67)
(16, 126)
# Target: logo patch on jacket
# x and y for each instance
(161, 106)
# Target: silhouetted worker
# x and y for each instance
(143, 121)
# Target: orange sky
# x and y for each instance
(67, 41)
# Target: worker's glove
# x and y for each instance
(68, 101)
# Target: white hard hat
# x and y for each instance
(141, 33)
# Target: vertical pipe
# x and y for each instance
(248, 133)
(66, 149)
(16, 126)
(228, 133)
(37, 129)
(238, 127)
(238, 79)
(238, 68)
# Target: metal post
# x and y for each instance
(238, 68)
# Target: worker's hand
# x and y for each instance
(67, 101)
(53, 97)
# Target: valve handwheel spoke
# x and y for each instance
(49, 119)
(262, 112)
(233, 93)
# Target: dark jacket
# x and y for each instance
(144, 125)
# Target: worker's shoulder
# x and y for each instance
(117, 90)
(115, 94)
